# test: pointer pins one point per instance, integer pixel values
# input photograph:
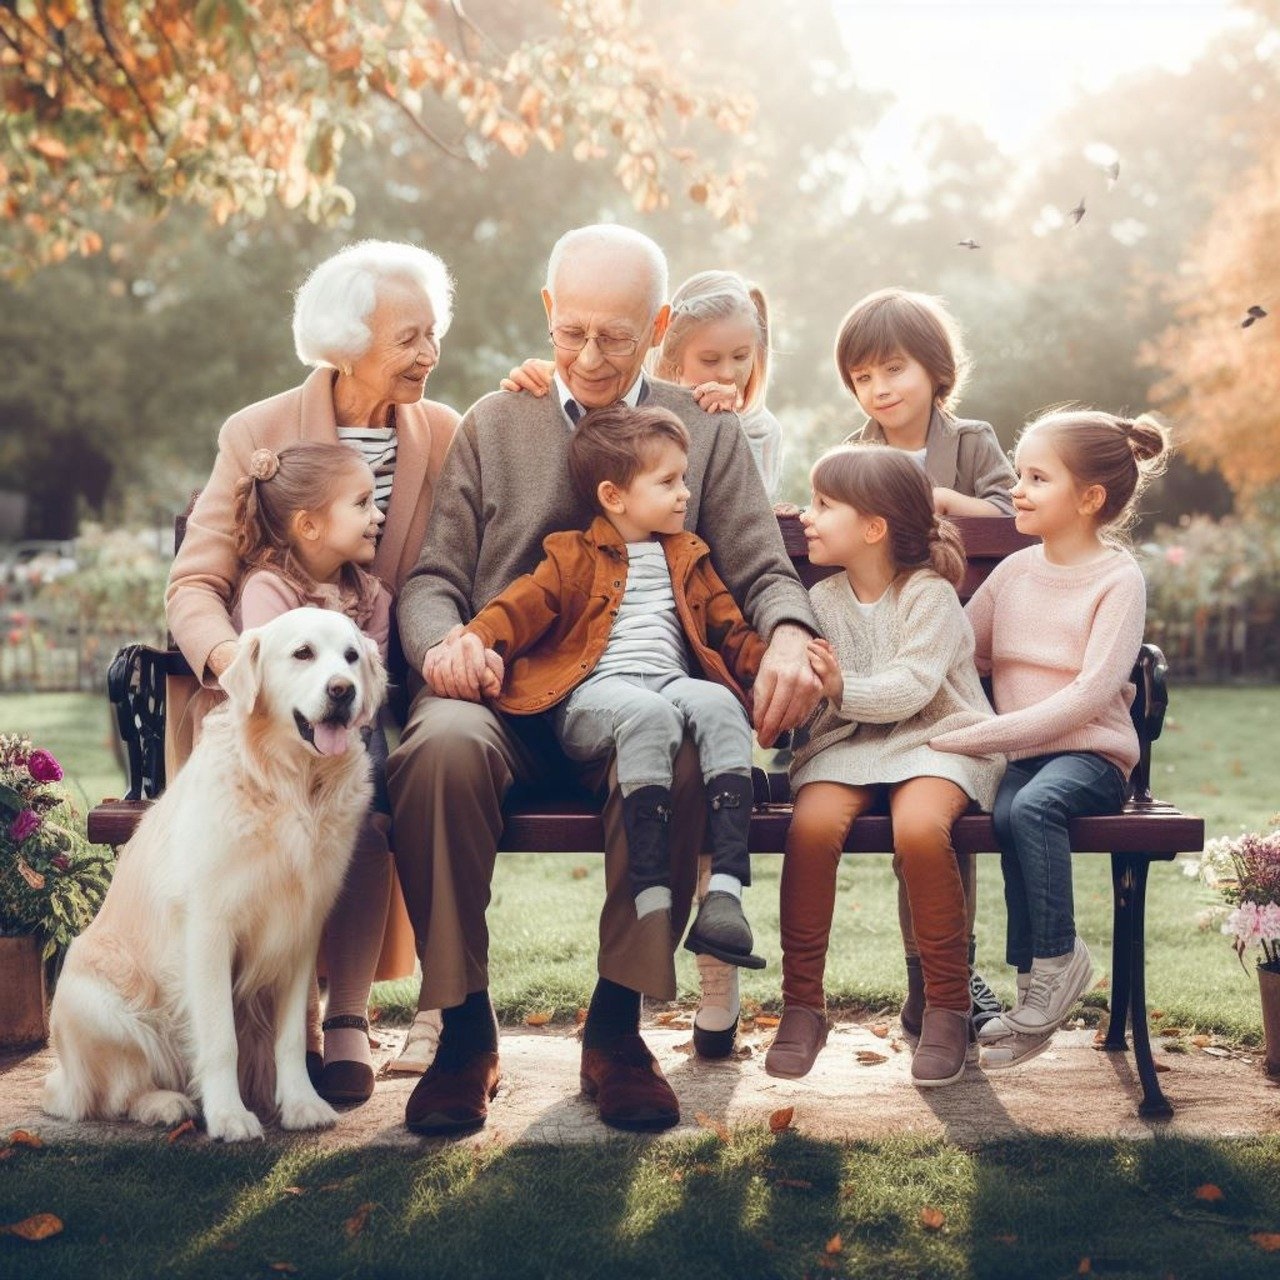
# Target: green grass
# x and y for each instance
(1214, 759)
(756, 1206)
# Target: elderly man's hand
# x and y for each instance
(786, 688)
(457, 666)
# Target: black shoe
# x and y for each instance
(345, 1081)
(721, 930)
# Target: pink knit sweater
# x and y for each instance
(1060, 642)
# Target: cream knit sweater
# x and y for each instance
(1060, 642)
(908, 675)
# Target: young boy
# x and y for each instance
(616, 630)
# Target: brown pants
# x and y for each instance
(923, 812)
(968, 864)
(449, 777)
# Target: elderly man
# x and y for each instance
(504, 487)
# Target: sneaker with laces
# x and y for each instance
(1054, 987)
(1013, 1049)
(715, 1025)
(997, 1028)
(984, 1003)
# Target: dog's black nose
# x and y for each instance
(340, 691)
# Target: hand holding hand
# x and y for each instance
(822, 661)
(717, 397)
(455, 667)
(786, 689)
(494, 671)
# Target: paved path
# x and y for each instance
(1071, 1088)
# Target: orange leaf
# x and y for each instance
(355, 1224)
(25, 1138)
(1085, 1267)
(1267, 1241)
(50, 148)
(580, 1016)
(1208, 1191)
(698, 193)
(579, 873)
(187, 1126)
(1201, 1041)
(835, 1244)
(718, 1127)
(766, 1020)
(536, 1019)
(287, 1267)
(880, 1029)
(800, 1184)
(932, 1219)
(295, 1191)
(40, 1226)
(781, 1119)
(868, 1058)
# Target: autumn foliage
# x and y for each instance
(116, 104)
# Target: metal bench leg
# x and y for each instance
(1121, 945)
(1154, 1103)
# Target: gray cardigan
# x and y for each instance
(505, 486)
(961, 454)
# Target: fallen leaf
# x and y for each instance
(1085, 1267)
(677, 1176)
(685, 1047)
(295, 1191)
(1201, 1041)
(579, 873)
(536, 1019)
(880, 1029)
(40, 1226)
(1008, 1238)
(835, 1244)
(187, 1126)
(1171, 1031)
(1157, 1014)
(580, 1016)
(799, 1184)
(1208, 1191)
(868, 1058)
(766, 1020)
(932, 1219)
(718, 1127)
(1102, 983)
(1162, 1066)
(287, 1267)
(355, 1224)
(781, 1119)
(25, 1138)
(1267, 1241)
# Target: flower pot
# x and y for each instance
(1269, 985)
(24, 1010)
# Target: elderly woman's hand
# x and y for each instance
(786, 688)
(534, 376)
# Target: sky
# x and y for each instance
(1011, 66)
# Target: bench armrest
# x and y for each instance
(136, 687)
(1150, 701)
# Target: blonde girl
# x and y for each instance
(306, 522)
(902, 356)
(1062, 693)
(897, 668)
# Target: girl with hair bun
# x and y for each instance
(1062, 692)
(897, 669)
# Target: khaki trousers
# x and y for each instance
(456, 765)
(923, 811)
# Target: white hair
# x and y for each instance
(608, 235)
(333, 303)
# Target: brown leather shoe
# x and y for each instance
(454, 1097)
(796, 1044)
(944, 1044)
(625, 1081)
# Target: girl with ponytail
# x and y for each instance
(1062, 692)
(897, 668)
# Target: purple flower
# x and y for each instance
(25, 824)
(60, 862)
(43, 767)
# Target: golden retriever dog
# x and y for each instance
(190, 987)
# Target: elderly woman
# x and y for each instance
(370, 320)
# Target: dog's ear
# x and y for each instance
(373, 680)
(242, 680)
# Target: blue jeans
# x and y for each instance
(1038, 797)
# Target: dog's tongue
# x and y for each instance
(331, 739)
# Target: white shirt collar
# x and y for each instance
(631, 399)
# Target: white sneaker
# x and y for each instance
(997, 1028)
(420, 1044)
(1055, 987)
(1015, 1048)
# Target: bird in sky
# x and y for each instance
(1112, 171)
(1252, 316)
(968, 244)
(1077, 213)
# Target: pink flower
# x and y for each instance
(60, 862)
(43, 767)
(25, 824)
(1175, 555)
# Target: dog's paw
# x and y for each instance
(307, 1113)
(162, 1107)
(233, 1125)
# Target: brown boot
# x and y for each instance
(797, 1043)
(944, 1045)
(913, 1005)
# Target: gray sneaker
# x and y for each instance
(997, 1028)
(1054, 988)
(1015, 1048)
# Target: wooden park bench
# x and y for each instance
(1146, 831)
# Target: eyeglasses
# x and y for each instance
(608, 344)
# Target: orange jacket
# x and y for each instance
(550, 627)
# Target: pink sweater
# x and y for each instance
(1060, 642)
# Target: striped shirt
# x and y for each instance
(646, 638)
(377, 446)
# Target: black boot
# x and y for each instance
(721, 929)
(645, 814)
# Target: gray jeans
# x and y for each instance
(643, 719)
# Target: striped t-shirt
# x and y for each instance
(377, 446)
(646, 638)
